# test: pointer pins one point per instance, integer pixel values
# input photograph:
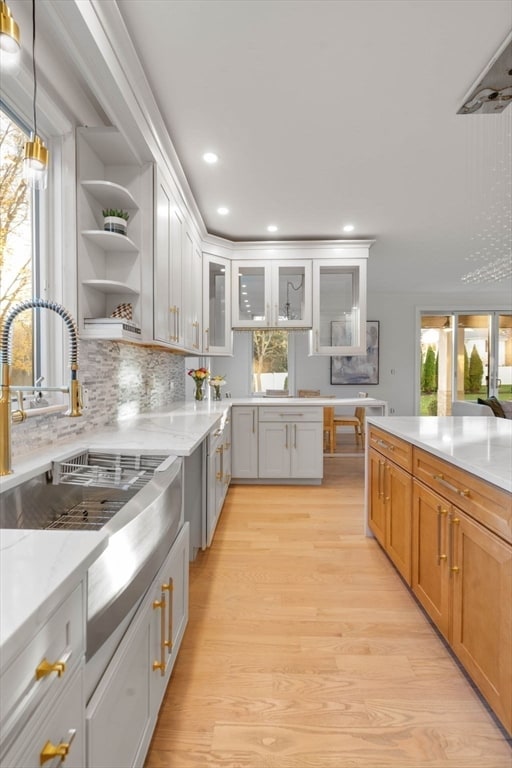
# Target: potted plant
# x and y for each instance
(115, 220)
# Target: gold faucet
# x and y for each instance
(74, 390)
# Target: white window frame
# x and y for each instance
(56, 239)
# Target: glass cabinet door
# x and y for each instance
(272, 294)
(218, 337)
(339, 307)
(251, 294)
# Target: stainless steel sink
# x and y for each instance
(82, 493)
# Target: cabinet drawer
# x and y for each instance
(291, 413)
(484, 502)
(63, 723)
(61, 639)
(394, 448)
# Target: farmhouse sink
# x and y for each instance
(82, 493)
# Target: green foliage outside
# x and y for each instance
(429, 372)
(476, 372)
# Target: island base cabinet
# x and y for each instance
(481, 634)
(63, 726)
(430, 567)
(390, 494)
(123, 710)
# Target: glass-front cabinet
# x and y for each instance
(339, 307)
(271, 294)
(217, 335)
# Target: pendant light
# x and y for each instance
(35, 164)
(10, 48)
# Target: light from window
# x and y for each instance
(269, 360)
(16, 251)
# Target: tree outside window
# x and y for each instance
(269, 360)
(16, 253)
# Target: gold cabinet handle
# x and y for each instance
(51, 751)
(46, 668)
(440, 479)
(440, 514)
(453, 521)
(169, 588)
(160, 605)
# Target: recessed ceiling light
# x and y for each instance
(348, 228)
(272, 228)
(223, 211)
(210, 157)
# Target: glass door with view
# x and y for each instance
(464, 356)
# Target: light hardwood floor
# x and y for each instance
(304, 648)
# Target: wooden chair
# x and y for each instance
(329, 429)
(356, 421)
(308, 393)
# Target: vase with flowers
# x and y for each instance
(199, 375)
(217, 382)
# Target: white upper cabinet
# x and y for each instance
(339, 307)
(110, 265)
(217, 335)
(271, 294)
(177, 273)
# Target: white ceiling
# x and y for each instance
(325, 112)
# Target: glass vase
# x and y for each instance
(216, 392)
(199, 393)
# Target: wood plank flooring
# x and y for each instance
(304, 649)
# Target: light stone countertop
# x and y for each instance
(38, 570)
(479, 445)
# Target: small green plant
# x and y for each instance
(115, 212)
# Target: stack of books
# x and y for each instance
(111, 327)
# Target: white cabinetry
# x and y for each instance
(110, 265)
(271, 294)
(177, 304)
(290, 443)
(218, 337)
(122, 712)
(244, 462)
(42, 693)
(339, 306)
(218, 474)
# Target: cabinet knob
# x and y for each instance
(46, 668)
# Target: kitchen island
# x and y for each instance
(439, 502)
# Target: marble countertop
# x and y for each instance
(38, 569)
(480, 445)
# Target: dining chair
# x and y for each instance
(356, 421)
(329, 429)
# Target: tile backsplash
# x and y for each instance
(121, 380)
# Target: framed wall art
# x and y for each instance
(356, 369)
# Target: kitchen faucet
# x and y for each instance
(75, 404)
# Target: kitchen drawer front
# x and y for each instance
(489, 505)
(60, 640)
(291, 413)
(61, 724)
(394, 448)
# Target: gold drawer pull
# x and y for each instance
(51, 751)
(440, 479)
(46, 668)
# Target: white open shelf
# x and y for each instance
(110, 286)
(110, 194)
(111, 241)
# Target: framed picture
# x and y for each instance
(356, 369)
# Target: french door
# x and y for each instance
(464, 356)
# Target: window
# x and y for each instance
(464, 356)
(19, 221)
(269, 360)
